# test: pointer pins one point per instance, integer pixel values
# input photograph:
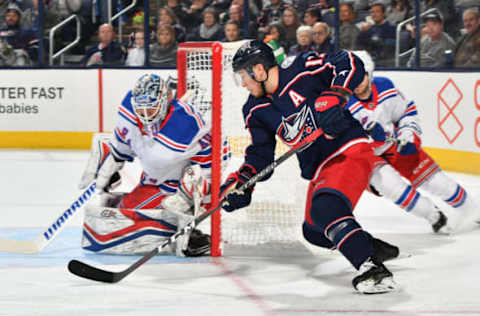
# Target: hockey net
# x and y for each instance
(206, 80)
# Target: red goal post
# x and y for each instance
(206, 81)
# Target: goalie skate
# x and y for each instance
(373, 278)
(198, 244)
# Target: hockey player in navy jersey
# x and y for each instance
(292, 100)
(172, 144)
(392, 121)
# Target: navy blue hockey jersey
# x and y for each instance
(289, 112)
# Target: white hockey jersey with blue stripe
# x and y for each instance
(180, 139)
(388, 107)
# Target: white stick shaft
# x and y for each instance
(39, 243)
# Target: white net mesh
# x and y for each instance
(276, 212)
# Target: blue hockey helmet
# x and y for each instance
(150, 99)
(251, 53)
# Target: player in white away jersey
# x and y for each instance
(392, 122)
(172, 143)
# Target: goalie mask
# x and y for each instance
(150, 99)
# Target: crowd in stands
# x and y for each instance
(449, 29)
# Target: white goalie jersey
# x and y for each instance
(165, 150)
(387, 107)
(182, 138)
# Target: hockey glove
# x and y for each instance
(330, 113)
(407, 143)
(101, 166)
(376, 131)
(235, 199)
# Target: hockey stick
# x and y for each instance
(88, 272)
(36, 245)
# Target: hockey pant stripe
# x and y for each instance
(341, 229)
(408, 199)
(425, 175)
(458, 198)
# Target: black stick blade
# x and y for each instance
(86, 271)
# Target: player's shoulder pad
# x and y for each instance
(183, 123)
(125, 109)
(383, 83)
(253, 105)
(310, 59)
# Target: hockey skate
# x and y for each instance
(198, 244)
(373, 278)
(383, 250)
(441, 226)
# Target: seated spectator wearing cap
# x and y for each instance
(435, 45)
(378, 37)
(107, 52)
(304, 41)
(19, 44)
(322, 42)
(467, 50)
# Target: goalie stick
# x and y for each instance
(36, 245)
(89, 272)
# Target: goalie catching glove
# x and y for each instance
(192, 190)
(330, 113)
(234, 198)
(102, 166)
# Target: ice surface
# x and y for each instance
(440, 278)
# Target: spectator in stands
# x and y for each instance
(277, 32)
(348, 30)
(107, 52)
(270, 13)
(435, 45)
(178, 9)
(467, 50)
(167, 16)
(365, 5)
(136, 54)
(378, 37)
(312, 16)
(232, 31)
(290, 23)
(163, 53)
(235, 13)
(304, 41)
(19, 45)
(322, 41)
(194, 14)
(302, 5)
(254, 7)
(52, 15)
(399, 11)
(447, 10)
(209, 30)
